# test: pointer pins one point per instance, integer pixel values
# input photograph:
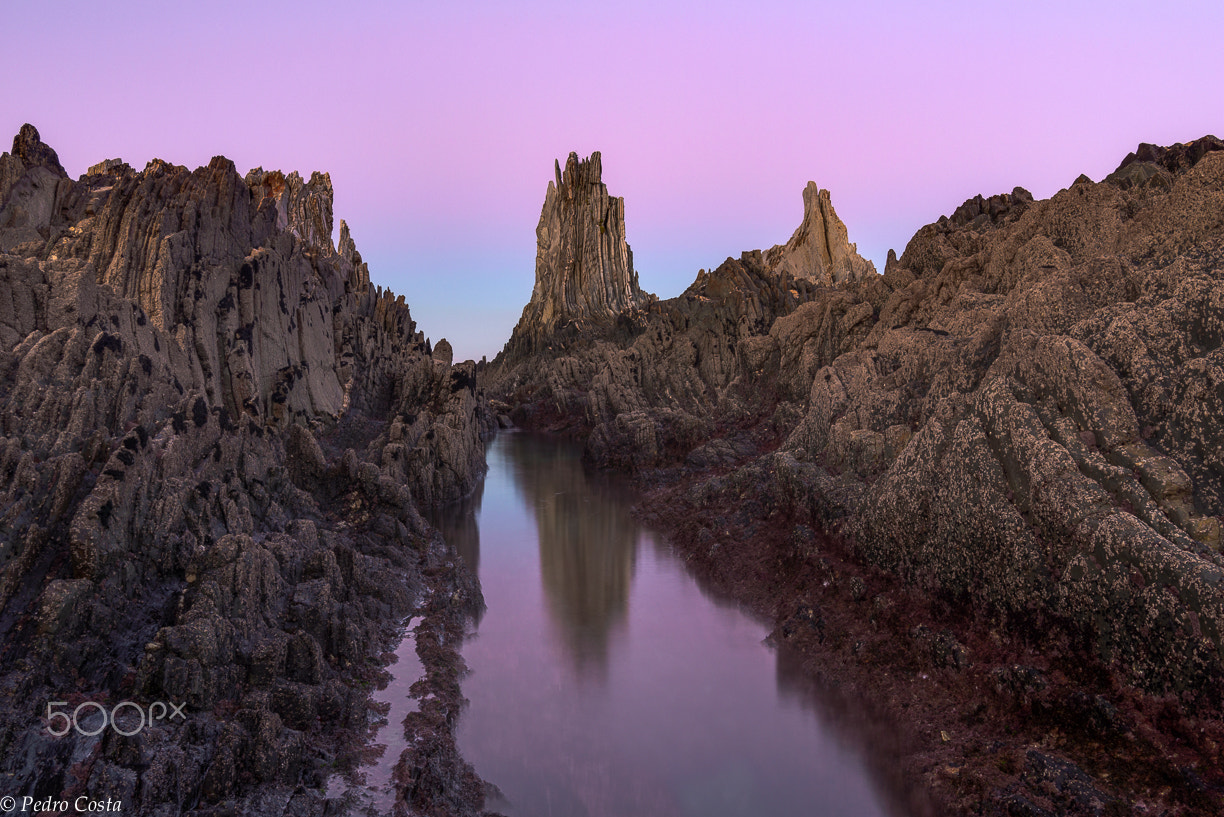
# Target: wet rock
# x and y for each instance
(807, 618)
(942, 647)
(1097, 714)
(1023, 684)
(1065, 784)
(1016, 805)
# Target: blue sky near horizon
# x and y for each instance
(440, 124)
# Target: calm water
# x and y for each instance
(605, 682)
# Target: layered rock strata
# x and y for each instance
(215, 437)
(1022, 417)
(584, 276)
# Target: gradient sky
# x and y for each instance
(439, 123)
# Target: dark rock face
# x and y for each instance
(215, 435)
(1173, 158)
(1023, 413)
(1061, 422)
(584, 268)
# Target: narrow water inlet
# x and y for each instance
(369, 788)
(605, 681)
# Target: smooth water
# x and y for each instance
(605, 682)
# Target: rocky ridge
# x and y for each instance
(676, 364)
(1020, 418)
(216, 436)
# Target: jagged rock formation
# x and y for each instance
(584, 276)
(215, 437)
(820, 250)
(1026, 373)
(1023, 416)
(33, 183)
(688, 352)
(695, 354)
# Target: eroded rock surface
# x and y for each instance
(584, 276)
(1022, 416)
(820, 250)
(215, 437)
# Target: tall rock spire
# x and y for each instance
(584, 267)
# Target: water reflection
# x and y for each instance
(690, 715)
(858, 730)
(587, 546)
(458, 525)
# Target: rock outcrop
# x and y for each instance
(214, 437)
(694, 354)
(820, 250)
(1021, 418)
(584, 276)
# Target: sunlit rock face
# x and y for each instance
(584, 276)
(820, 250)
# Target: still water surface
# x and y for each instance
(605, 682)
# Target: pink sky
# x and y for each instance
(439, 125)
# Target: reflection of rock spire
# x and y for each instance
(588, 545)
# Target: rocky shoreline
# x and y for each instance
(980, 494)
(216, 439)
(981, 490)
(960, 715)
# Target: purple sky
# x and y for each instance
(439, 123)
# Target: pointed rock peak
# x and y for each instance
(347, 247)
(29, 147)
(359, 276)
(584, 267)
(583, 171)
(223, 165)
(820, 250)
(157, 166)
(443, 353)
(581, 178)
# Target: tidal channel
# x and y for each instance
(605, 682)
